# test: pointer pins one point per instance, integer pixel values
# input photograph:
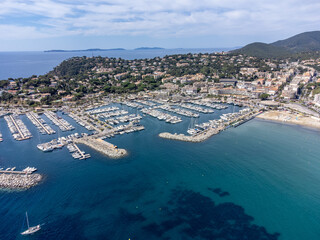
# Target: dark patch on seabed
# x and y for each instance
(196, 216)
(219, 192)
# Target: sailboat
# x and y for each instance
(191, 129)
(30, 230)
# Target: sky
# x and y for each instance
(32, 25)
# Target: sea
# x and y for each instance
(257, 181)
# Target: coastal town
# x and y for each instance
(112, 96)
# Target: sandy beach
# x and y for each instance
(292, 118)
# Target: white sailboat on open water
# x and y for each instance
(30, 230)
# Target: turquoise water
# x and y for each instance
(259, 181)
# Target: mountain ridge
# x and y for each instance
(303, 42)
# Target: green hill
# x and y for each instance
(262, 50)
(304, 42)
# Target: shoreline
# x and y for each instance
(103, 147)
(291, 118)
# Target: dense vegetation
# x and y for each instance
(263, 50)
(303, 42)
(298, 45)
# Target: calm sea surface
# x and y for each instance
(26, 64)
(260, 180)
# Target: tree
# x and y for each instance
(264, 96)
(6, 96)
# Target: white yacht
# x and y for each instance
(30, 230)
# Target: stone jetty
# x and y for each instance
(102, 146)
(19, 181)
(204, 135)
(215, 128)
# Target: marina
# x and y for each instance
(103, 109)
(132, 104)
(84, 121)
(61, 161)
(209, 104)
(161, 116)
(58, 121)
(17, 128)
(147, 103)
(123, 119)
(179, 111)
(111, 114)
(195, 108)
(42, 126)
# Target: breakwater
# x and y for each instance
(204, 135)
(19, 181)
(102, 146)
(214, 127)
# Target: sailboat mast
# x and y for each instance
(27, 219)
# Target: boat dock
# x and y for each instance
(111, 114)
(161, 116)
(82, 121)
(209, 104)
(78, 153)
(132, 104)
(17, 128)
(57, 143)
(28, 170)
(195, 108)
(60, 122)
(40, 123)
(147, 103)
(179, 111)
(102, 110)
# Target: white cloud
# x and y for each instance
(51, 18)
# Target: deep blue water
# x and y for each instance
(26, 64)
(255, 181)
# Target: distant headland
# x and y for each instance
(103, 50)
(87, 50)
(149, 48)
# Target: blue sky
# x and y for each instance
(73, 24)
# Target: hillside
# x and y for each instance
(262, 50)
(304, 42)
